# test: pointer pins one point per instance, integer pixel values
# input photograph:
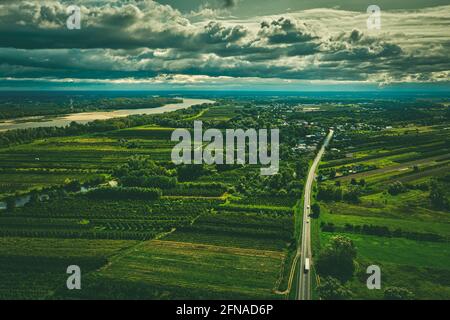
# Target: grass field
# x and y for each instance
(219, 113)
(184, 270)
(62, 247)
(422, 267)
(403, 209)
(399, 251)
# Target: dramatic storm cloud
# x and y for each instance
(145, 41)
(229, 3)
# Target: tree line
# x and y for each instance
(134, 193)
(21, 136)
(382, 231)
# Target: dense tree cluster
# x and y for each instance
(337, 259)
(329, 193)
(332, 289)
(190, 172)
(284, 183)
(439, 194)
(336, 193)
(142, 172)
(162, 182)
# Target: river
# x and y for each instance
(85, 117)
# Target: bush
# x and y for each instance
(352, 195)
(396, 188)
(213, 189)
(72, 185)
(438, 195)
(191, 172)
(397, 293)
(327, 227)
(331, 289)
(162, 182)
(329, 193)
(10, 203)
(315, 210)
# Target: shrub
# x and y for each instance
(396, 188)
(331, 289)
(397, 293)
(162, 182)
(315, 210)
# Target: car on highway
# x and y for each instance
(306, 265)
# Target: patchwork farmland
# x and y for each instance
(379, 193)
(109, 199)
(195, 241)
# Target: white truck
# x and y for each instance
(306, 265)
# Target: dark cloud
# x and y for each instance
(229, 3)
(215, 32)
(285, 30)
(143, 39)
(356, 46)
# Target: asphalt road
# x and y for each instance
(304, 278)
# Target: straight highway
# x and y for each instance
(304, 274)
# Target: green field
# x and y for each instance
(220, 231)
(213, 247)
(399, 251)
(390, 230)
(168, 269)
(34, 268)
(422, 267)
(238, 229)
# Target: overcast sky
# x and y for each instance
(246, 8)
(223, 44)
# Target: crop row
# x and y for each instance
(272, 210)
(83, 207)
(71, 234)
